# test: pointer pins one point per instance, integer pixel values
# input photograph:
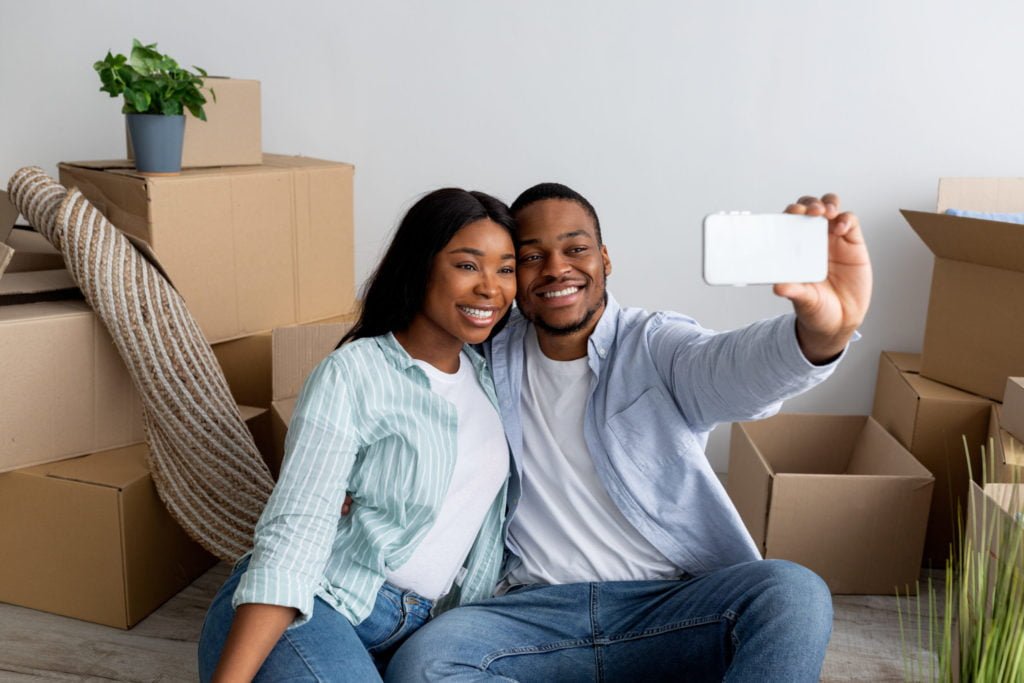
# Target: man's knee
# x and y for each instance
(796, 590)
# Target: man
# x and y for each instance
(626, 559)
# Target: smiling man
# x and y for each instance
(626, 560)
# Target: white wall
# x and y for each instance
(659, 112)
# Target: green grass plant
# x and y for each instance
(978, 634)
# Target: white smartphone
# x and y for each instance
(742, 248)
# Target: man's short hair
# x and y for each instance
(543, 191)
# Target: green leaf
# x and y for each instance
(140, 99)
(197, 111)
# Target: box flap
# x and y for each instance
(806, 444)
(297, 350)
(32, 251)
(905, 362)
(1012, 415)
(1009, 497)
(250, 412)
(6, 254)
(1003, 195)
(284, 409)
(8, 214)
(878, 453)
(749, 483)
(116, 468)
(32, 287)
(932, 390)
(986, 243)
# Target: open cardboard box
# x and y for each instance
(89, 538)
(231, 135)
(835, 493)
(976, 307)
(996, 526)
(933, 421)
(65, 390)
(269, 370)
(250, 248)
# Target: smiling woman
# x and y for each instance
(403, 416)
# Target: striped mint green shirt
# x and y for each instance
(366, 422)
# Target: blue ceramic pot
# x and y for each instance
(157, 142)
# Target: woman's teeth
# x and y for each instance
(479, 314)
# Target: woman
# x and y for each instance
(403, 416)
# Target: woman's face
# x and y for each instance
(472, 284)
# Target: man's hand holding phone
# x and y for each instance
(829, 312)
(813, 254)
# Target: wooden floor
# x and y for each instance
(35, 646)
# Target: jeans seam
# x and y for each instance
(302, 656)
(595, 631)
(665, 628)
(492, 657)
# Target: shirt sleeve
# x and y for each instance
(743, 374)
(297, 529)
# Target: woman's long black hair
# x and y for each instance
(395, 292)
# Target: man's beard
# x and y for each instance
(572, 328)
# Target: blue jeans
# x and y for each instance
(768, 620)
(327, 647)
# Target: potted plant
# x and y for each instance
(156, 94)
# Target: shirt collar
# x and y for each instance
(603, 336)
(397, 354)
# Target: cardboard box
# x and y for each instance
(1012, 414)
(250, 248)
(1005, 456)
(835, 493)
(268, 370)
(31, 252)
(933, 421)
(231, 135)
(976, 308)
(996, 529)
(89, 538)
(65, 390)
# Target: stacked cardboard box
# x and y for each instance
(935, 422)
(253, 242)
(268, 371)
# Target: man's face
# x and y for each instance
(561, 268)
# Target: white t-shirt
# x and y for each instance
(481, 468)
(566, 527)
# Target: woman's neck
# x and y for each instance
(425, 344)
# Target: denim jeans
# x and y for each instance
(762, 621)
(327, 647)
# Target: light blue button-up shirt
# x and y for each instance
(659, 384)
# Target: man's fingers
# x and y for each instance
(845, 224)
(798, 209)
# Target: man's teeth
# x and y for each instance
(562, 292)
(476, 312)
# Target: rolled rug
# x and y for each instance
(207, 469)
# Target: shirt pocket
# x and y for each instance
(653, 436)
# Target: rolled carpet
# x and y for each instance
(207, 469)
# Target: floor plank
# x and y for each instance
(35, 646)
